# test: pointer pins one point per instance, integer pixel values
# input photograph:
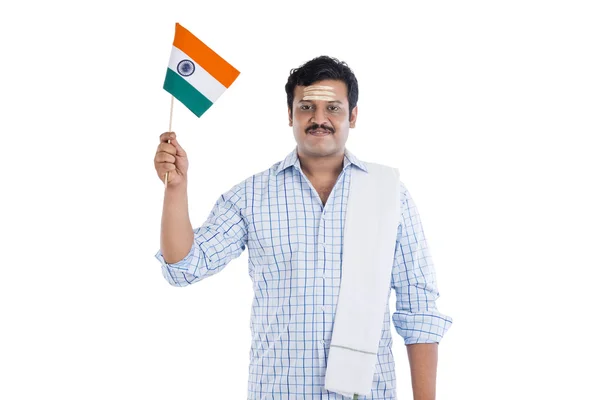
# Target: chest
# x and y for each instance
(323, 188)
(287, 213)
(324, 192)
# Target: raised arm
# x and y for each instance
(189, 255)
(176, 233)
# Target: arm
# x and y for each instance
(221, 238)
(422, 358)
(176, 233)
(416, 317)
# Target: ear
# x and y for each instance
(290, 121)
(353, 116)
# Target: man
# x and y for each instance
(291, 217)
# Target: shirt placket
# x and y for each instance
(321, 264)
(322, 273)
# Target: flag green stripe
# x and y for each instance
(186, 93)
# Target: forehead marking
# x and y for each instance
(319, 92)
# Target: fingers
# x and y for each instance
(173, 148)
(163, 168)
(164, 138)
(164, 146)
(167, 167)
(170, 157)
(168, 148)
(164, 157)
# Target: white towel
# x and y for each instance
(372, 217)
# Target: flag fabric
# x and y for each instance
(196, 75)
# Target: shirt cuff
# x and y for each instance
(422, 327)
(182, 265)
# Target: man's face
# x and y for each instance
(321, 118)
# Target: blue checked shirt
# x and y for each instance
(294, 261)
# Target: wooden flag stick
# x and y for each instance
(169, 140)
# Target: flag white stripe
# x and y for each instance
(200, 79)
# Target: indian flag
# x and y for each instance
(196, 76)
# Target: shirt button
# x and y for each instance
(323, 342)
(323, 308)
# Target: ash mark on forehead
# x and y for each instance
(319, 92)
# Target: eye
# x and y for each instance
(334, 108)
(305, 107)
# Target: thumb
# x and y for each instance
(180, 151)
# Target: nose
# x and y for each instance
(319, 116)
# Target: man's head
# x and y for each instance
(322, 96)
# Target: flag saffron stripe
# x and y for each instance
(183, 91)
(204, 82)
(203, 55)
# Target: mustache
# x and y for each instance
(316, 126)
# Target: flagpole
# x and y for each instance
(169, 140)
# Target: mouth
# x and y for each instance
(318, 132)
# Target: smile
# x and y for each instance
(319, 132)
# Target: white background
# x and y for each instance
(490, 110)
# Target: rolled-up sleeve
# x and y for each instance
(416, 318)
(222, 238)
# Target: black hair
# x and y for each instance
(321, 68)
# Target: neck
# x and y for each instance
(322, 167)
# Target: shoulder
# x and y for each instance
(379, 167)
(243, 189)
(386, 169)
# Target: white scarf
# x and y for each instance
(372, 217)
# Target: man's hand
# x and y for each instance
(422, 358)
(171, 158)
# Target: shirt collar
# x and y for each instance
(292, 160)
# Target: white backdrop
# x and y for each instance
(490, 110)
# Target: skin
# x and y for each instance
(322, 158)
(423, 358)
